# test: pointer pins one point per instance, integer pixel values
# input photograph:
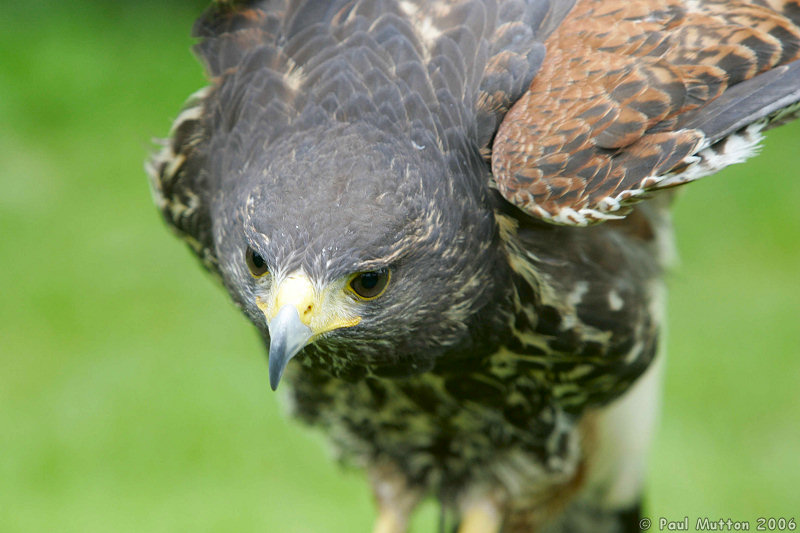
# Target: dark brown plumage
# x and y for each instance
(376, 184)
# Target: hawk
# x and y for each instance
(450, 221)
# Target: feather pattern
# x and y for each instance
(454, 67)
(631, 97)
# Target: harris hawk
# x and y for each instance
(450, 222)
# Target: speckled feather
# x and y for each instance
(439, 140)
(626, 102)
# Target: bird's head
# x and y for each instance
(370, 250)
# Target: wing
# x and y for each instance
(638, 96)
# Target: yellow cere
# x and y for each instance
(322, 311)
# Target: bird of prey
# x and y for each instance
(450, 222)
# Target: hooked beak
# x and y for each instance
(287, 336)
(296, 316)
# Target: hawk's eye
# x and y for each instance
(370, 285)
(256, 263)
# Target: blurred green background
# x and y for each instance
(133, 397)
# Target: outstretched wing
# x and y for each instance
(638, 96)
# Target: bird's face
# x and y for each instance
(382, 262)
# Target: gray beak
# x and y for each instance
(288, 335)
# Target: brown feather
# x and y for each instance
(614, 82)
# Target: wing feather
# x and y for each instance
(634, 97)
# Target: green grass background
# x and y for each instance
(133, 397)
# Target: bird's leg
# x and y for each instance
(389, 521)
(481, 516)
(395, 498)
